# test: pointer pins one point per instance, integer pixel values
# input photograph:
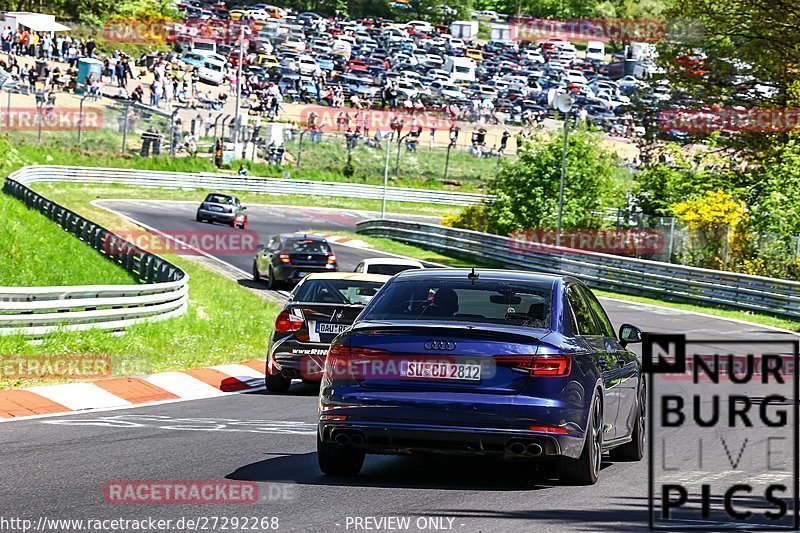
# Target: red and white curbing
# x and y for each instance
(126, 392)
(344, 241)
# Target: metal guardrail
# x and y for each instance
(204, 180)
(615, 273)
(36, 311)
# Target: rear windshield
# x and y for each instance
(219, 199)
(307, 246)
(492, 302)
(388, 270)
(337, 291)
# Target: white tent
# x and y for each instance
(34, 22)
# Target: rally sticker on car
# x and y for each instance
(327, 327)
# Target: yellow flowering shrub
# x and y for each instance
(719, 223)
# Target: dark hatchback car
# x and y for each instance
(319, 308)
(222, 208)
(499, 363)
(288, 257)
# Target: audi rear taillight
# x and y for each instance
(558, 365)
(284, 258)
(344, 361)
(552, 365)
(331, 259)
(287, 322)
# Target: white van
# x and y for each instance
(307, 66)
(461, 69)
(342, 47)
(203, 46)
(212, 71)
(595, 51)
(464, 29)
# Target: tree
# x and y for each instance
(751, 48)
(527, 188)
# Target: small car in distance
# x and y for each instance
(222, 208)
(319, 308)
(289, 257)
(515, 365)
(388, 266)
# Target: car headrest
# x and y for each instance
(536, 311)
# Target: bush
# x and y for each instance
(718, 223)
(472, 217)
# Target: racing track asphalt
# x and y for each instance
(57, 467)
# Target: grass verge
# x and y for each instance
(422, 254)
(33, 249)
(225, 323)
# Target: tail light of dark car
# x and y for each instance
(284, 258)
(556, 365)
(346, 363)
(331, 258)
(288, 323)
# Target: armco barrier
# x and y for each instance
(615, 273)
(36, 311)
(204, 180)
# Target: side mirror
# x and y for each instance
(629, 334)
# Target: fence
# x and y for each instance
(615, 273)
(184, 180)
(36, 311)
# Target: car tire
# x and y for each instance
(277, 383)
(256, 274)
(199, 218)
(586, 469)
(272, 283)
(634, 450)
(339, 460)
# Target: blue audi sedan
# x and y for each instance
(499, 363)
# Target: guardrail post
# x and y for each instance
(80, 118)
(125, 128)
(300, 147)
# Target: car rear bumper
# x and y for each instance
(216, 216)
(401, 439)
(296, 273)
(294, 359)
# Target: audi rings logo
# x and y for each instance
(440, 345)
